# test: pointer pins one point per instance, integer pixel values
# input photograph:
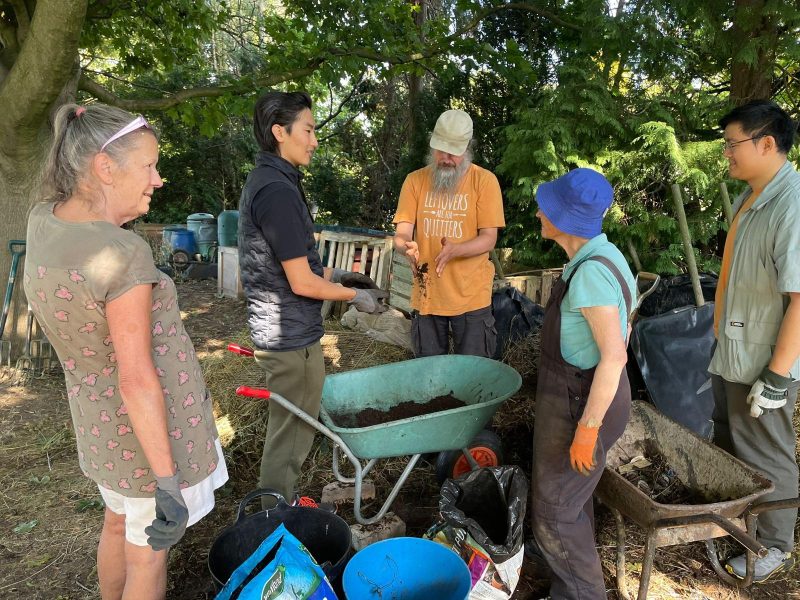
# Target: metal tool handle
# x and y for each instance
(13, 243)
(242, 350)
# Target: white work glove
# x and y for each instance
(369, 301)
(770, 391)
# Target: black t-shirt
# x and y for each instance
(279, 212)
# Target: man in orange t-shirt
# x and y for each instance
(447, 221)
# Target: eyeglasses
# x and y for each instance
(728, 146)
(137, 123)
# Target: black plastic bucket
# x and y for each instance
(326, 536)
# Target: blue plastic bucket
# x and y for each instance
(407, 568)
(183, 239)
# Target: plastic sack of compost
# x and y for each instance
(481, 518)
(280, 569)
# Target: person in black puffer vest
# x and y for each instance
(285, 283)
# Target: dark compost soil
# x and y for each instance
(405, 410)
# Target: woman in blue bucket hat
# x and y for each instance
(583, 397)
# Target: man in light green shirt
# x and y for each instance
(755, 365)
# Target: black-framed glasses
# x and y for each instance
(727, 146)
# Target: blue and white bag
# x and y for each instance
(280, 569)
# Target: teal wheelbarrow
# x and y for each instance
(481, 383)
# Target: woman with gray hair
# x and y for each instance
(141, 412)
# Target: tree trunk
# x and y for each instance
(17, 181)
(752, 80)
(415, 80)
(42, 77)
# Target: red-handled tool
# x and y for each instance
(244, 390)
(237, 349)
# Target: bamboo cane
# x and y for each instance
(634, 256)
(726, 203)
(683, 225)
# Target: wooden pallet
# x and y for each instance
(536, 285)
(354, 252)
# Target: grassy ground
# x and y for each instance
(50, 515)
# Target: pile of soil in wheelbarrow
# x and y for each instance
(404, 410)
(660, 482)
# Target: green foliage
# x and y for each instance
(550, 87)
(203, 168)
(642, 177)
(335, 186)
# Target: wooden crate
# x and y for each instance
(229, 280)
(400, 283)
(536, 285)
(369, 255)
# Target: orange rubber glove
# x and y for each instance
(581, 453)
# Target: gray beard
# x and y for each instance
(445, 179)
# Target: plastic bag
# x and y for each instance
(280, 569)
(515, 316)
(677, 292)
(482, 515)
(673, 351)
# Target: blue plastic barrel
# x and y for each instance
(183, 239)
(408, 568)
(168, 232)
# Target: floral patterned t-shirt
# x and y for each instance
(71, 271)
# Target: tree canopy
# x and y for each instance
(633, 88)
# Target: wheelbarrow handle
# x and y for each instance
(243, 350)
(244, 390)
(738, 534)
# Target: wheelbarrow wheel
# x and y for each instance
(180, 260)
(486, 448)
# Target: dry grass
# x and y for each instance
(517, 413)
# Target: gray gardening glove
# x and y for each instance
(369, 301)
(171, 514)
(768, 392)
(353, 280)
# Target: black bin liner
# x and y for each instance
(515, 317)
(673, 351)
(490, 504)
(677, 292)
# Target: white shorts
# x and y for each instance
(140, 512)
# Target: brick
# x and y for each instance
(390, 526)
(338, 492)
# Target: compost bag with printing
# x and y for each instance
(280, 569)
(482, 515)
(515, 317)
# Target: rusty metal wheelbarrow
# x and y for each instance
(728, 485)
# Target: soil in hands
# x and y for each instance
(404, 410)
(421, 275)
